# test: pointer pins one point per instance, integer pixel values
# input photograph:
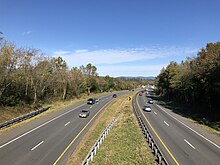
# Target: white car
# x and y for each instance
(150, 101)
(84, 113)
(96, 100)
(147, 108)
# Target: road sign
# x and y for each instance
(129, 98)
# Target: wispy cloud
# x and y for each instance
(106, 58)
(114, 56)
(61, 53)
(26, 33)
(134, 70)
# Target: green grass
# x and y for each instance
(124, 144)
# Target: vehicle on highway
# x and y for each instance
(96, 100)
(140, 94)
(91, 101)
(150, 101)
(114, 95)
(147, 108)
(84, 113)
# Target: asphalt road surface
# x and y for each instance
(178, 140)
(50, 139)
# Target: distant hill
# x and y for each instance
(140, 77)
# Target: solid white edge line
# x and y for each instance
(166, 123)
(67, 123)
(37, 145)
(191, 129)
(155, 113)
(39, 126)
(189, 144)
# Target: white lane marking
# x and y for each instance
(37, 145)
(166, 123)
(26, 133)
(191, 129)
(67, 123)
(155, 113)
(189, 144)
(39, 126)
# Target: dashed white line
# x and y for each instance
(26, 133)
(37, 145)
(155, 113)
(191, 128)
(166, 123)
(189, 144)
(67, 123)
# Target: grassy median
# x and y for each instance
(124, 144)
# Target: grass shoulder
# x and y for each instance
(8, 113)
(124, 144)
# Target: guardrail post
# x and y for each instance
(95, 150)
(96, 146)
(160, 160)
(91, 156)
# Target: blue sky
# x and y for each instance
(120, 37)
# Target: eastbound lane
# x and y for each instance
(44, 143)
(184, 145)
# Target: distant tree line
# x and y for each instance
(28, 76)
(195, 81)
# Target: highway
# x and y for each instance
(50, 139)
(177, 138)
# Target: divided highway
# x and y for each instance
(50, 139)
(179, 143)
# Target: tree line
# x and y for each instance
(28, 76)
(194, 82)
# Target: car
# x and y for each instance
(114, 95)
(140, 94)
(96, 100)
(91, 101)
(150, 101)
(147, 108)
(84, 113)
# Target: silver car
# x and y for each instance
(147, 108)
(84, 113)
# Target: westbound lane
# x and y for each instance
(185, 145)
(45, 143)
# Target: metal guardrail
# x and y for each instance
(96, 146)
(149, 139)
(23, 117)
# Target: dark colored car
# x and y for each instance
(140, 94)
(114, 95)
(84, 113)
(91, 101)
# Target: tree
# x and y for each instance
(1, 37)
(90, 73)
